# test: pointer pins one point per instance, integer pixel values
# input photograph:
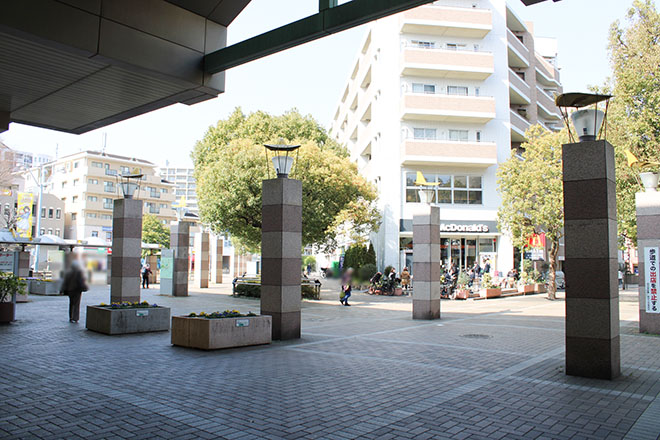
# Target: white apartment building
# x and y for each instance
(184, 183)
(87, 183)
(446, 89)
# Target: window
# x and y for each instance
(163, 190)
(50, 231)
(107, 203)
(95, 233)
(478, 136)
(163, 205)
(42, 231)
(64, 184)
(109, 186)
(76, 181)
(92, 199)
(74, 216)
(108, 236)
(458, 135)
(97, 164)
(75, 164)
(93, 181)
(477, 91)
(125, 170)
(455, 46)
(91, 215)
(457, 90)
(7, 209)
(423, 88)
(58, 213)
(106, 216)
(425, 133)
(521, 75)
(74, 199)
(43, 212)
(50, 212)
(457, 190)
(423, 44)
(57, 232)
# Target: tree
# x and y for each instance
(533, 195)
(230, 164)
(153, 231)
(634, 113)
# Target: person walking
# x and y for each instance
(146, 271)
(346, 287)
(73, 286)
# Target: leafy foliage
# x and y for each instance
(10, 284)
(366, 272)
(153, 231)
(357, 256)
(532, 193)
(230, 163)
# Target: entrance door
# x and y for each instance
(457, 245)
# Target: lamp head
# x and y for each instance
(281, 159)
(130, 184)
(587, 122)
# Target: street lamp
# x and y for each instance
(129, 183)
(281, 159)
(588, 123)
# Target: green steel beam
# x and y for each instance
(328, 21)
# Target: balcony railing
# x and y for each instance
(109, 172)
(448, 20)
(456, 108)
(443, 63)
(518, 53)
(428, 151)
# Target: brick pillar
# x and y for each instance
(179, 244)
(202, 260)
(591, 265)
(426, 263)
(126, 250)
(281, 243)
(216, 258)
(648, 236)
(22, 270)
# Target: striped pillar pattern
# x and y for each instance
(216, 258)
(180, 243)
(126, 250)
(426, 263)
(202, 260)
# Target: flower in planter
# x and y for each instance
(219, 315)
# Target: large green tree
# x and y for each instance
(230, 163)
(532, 194)
(634, 113)
(153, 231)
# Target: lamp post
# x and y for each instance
(126, 241)
(281, 244)
(590, 230)
(426, 253)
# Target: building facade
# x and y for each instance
(184, 185)
(87, 182)
(448, 90)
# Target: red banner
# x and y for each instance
(536, 241)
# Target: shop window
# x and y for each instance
(457, 190)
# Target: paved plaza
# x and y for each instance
(488, 370)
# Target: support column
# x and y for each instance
(216, 258)
(108, 269)
(281, 245)
(426, 263)
(126, 250)
(202, 260)
(592, 292)
(22, 270)
(177, 284)
(648, 236)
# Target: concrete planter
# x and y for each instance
(526, 288)
(212, 334)
(7, 312)
(493, 293)
(122, 321)
(540, 288)
(39, 287)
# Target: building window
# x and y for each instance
(95, 233)
(92, 198)
(423, 44)
(163, 205)
(50, 212)
(455, 46)
(106, 216)
(43, 212)
(423, 88)
(91, 215)
(58, 213)
(108, 236)
(75, 164)
(42, 231)
(107, 203)
(163, 190)
(50, 231)
(125, 170)
(457, 190)
(97, 164)
(425, 133)
(109, 186)
(76, 181)
(93, 181)
(74, 216)
(64, 184)
(57, 232)
(458, 135)
(74, 199)
(457, 90)
(478, 136)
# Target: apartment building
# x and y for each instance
(447, 89)
(87, 182)
(184, 183)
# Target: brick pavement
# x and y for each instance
(488, 370)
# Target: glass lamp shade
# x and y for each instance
(282, 166)
(426, 195)
(587, 123)
(129, 188)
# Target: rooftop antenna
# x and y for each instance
(57, 151)
(105, 141)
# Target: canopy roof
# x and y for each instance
(579, 99)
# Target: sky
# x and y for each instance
(311, 78)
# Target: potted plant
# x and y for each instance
(462, 289)
(539, 282)
(492, 290)
(526, 282)
(228, 329)
(10, 285)
(122, 318)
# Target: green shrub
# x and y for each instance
(358, 255)
(388, 269)
(254, 291)
(365, 273)
(487, 282)
(309, 259)
(463, 280)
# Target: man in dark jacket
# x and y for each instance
(73, 286)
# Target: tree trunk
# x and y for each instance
(552, 285)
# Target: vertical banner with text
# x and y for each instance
(24, 215)
(651, 279)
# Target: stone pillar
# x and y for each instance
(22, 270)
(179, 244)
(281, 244)
(426, 263)
(126, 250)
(108, 269)
(216, 258)
(648, 236)
(202, 260)
(591, 265)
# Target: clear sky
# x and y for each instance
(311, 78)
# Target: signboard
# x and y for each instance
(242, 322)
(7, 262)
(106, 228)
(143, 312)
(453, 227)
(651, 279)
(536, 241)
(24, 215)
(167, 264)
(537, 254)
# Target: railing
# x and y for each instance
(445, 93)
(107, 206)
(409, 45)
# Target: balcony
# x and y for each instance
(546, 105)
(440, 63)
(518, 53)
(519, 126)
(437, 107)
(437, 152)
(546, 73)
(448, 21)
(519, 90)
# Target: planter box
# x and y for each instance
(398, 291)
(7, 312)
(527, 288)
(462, 293)
(38, 287)
(212, 334)
(540, 288)
(493, 293)
(122, 321)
